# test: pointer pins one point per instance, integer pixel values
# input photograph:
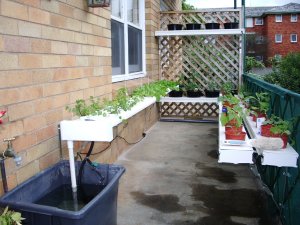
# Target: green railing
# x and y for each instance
(283, 182)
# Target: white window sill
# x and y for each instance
(119, 78)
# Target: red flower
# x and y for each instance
(2, 113)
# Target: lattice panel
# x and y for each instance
(199, 16)
(189, 110)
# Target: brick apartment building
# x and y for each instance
(272, 31)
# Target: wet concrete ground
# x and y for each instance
(173, 177)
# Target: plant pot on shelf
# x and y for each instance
(265, 130)
(233, 129)
(175, 26)
(175, 94)
(259, 115)
(210, 26)
(193, 26)
(193, 94)
(212, 94)
(233, 25)
(233, 135)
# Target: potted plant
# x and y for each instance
(259, 104)
(212, 89)
(173, 26)
(227, 88)
(193, 26)
(231, 25)
(192, 90)
(233, 120)
(210, 26)
(229, 100)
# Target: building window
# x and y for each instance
(278, 18)
(259, 58)
(259, 21)
(128, 39)
(294, 17)
(278, 38)
(293, 38)
(249, 22)
(259, 40)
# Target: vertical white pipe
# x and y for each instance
(72, 166)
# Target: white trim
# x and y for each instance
(141, 27)
(278, 18)
(258, 24)
(199, 32)
(296, 18)
(292, 39)
(278, 41)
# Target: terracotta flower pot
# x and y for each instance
(233, 129)
(259, 115)
(232, 135)
(227, 104)
(265, 130)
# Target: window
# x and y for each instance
(259, 40)
(249, 22)
(278, 38)
(293, 38)
(294, 17)
(278, 18)
(259, 58)
(259, 21)
(128, 39)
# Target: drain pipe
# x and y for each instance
(3, 175)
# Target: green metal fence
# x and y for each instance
(283, 182)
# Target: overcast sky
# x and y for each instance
(230, 3)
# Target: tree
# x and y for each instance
(186, 6)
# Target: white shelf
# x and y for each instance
(281, 158)
(199, 32)
(235, 154)
(186, 99)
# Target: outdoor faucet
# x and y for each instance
(10, 152)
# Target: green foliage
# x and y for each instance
(251, 63)
(279, 126)
(212, 85)
(236, 113)
(260, 102)
(230, 98)
(83, 108)
(186, 6)
(227, 87)
(9, 217)
(286, 73)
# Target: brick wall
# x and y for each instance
(286, 28)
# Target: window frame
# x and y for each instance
(296, 16)
(141, 26)
(259, 24)
(276, 38)
(295, 40)
(280, 18)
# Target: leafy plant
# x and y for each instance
(191, 86)
(251, 63)
(260, 102)
(212, 85)
(227, 87)
(9, 217)
(82, 108)
(236, 113)
(230, 98)
(279, 126)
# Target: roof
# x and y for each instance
(261, 11)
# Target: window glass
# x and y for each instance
(259, 21)
(278, 18)
(117, 46)
(249, 22)
(294, 17)
(133, 11)
(293, 37)
(116, 8)
(134, 49)
(278, 38)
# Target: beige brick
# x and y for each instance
(52, 89)
(50, 61)
(41, 76)
(37, 151)
(35, 3)
(50, 6)
(27, 171)
(8, 61)
(27, 61)
(60, 101)
(19, 111)
(68, 61)
(38, 16)
(74, 85)
(43, 105)
(75, 95)
(12, 181)
(16, 129)
(87, 50)
(14, 10)
(72, 24)
(1, 44)
(74, 49)
(54, 116)
(16, 44)
(57, 34)
(34, 123)
(49, 159)
(66, 10)
(87, 28)
(29, 29)
(58, 21)
(59, 47)
(40, 46)
(30, 93)
(80, 38)
(46, 133)
(82, 61)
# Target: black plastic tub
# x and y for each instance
(175, 94)
(193, 26)
(212, 94)
(100, 210)
(193, 94)
(175, 26)
(233, 25)
(210, 26)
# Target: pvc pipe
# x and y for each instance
(72, 166)
(3, 174)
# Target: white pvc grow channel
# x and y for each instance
(95, 128)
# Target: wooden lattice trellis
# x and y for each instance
(189, 110)
(200, 58)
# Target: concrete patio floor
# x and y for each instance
(173, 177)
